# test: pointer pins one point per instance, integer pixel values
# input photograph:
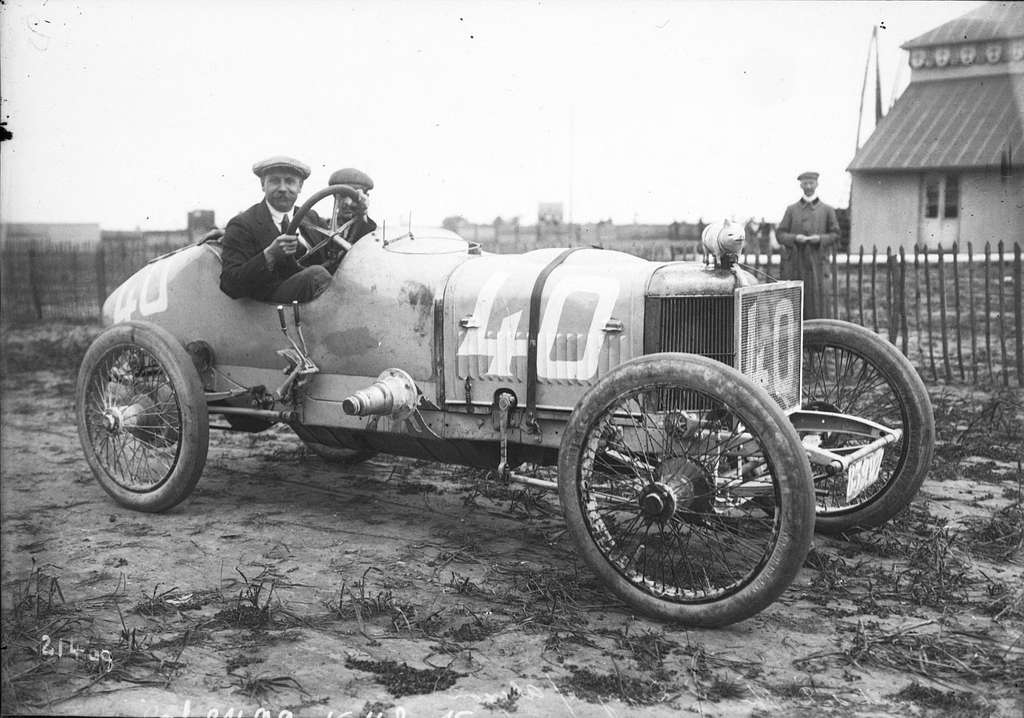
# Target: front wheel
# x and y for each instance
(686, 489)
(142, 417)
(848, 369)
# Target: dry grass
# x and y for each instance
(259, 687)
(402, 680)
(936, 650)
(596, 687)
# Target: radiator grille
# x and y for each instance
(696, 325)
(757, 330)
(702, 325)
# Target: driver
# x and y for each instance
(258, 256)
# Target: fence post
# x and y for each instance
(74, 281)
(101, 277)
(33, 283)
(860, 285)
(890, 295)
(942, 317)
(874, 288)
(1002, 310)
(956, 309)
(988, 311)
(928, 310)
(918, 329)
(970, 313)
(1018, 320)
(835, 282)
(904, 328)
(846, 304)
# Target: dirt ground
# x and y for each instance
(287, 586)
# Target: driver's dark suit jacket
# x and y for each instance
(244, 271)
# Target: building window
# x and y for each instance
(951, 207)
(942, 196)
(931, 197)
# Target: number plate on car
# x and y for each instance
(862, 473)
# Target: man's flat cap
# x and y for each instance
(353, 177)
(807, 175)
(280, 162)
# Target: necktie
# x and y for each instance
(284, 224)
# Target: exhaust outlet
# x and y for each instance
(393, 394)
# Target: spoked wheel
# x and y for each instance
(142, 416)
(686, 489)
(848, 369)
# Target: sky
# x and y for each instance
(129, 114)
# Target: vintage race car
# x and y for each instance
(696, 429)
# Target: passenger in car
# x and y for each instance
(258, 255)
(353, 220)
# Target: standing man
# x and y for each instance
(806, 234)
(258, 255)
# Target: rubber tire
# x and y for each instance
(194, 438)
(340, 456)
(918, 424)
(765, 417)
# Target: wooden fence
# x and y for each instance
(956, 313)
(66, 280)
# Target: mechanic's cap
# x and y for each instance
(352, 176)
(807, 175)
(280, 162)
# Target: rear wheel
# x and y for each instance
(848, 369)
(142, 417)
(686, 489)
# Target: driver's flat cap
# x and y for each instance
(352, 176)
(280, 162)
(807, 175)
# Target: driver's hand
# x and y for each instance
(284, 245)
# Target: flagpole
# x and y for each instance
(864, 84)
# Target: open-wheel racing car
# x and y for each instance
(699, 428)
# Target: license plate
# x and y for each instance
(862, 473)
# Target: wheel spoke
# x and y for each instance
(133, 418)
(839, 379)
(669, 522)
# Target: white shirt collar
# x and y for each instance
(278, 216)
(810, 199)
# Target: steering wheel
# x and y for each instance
(333, 232)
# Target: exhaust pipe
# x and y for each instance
(393, 394)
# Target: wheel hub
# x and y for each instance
(113, 420)
(657, 502)
(128, 418)
(691, 486)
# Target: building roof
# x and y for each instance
(949, 124)
(991, 21)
